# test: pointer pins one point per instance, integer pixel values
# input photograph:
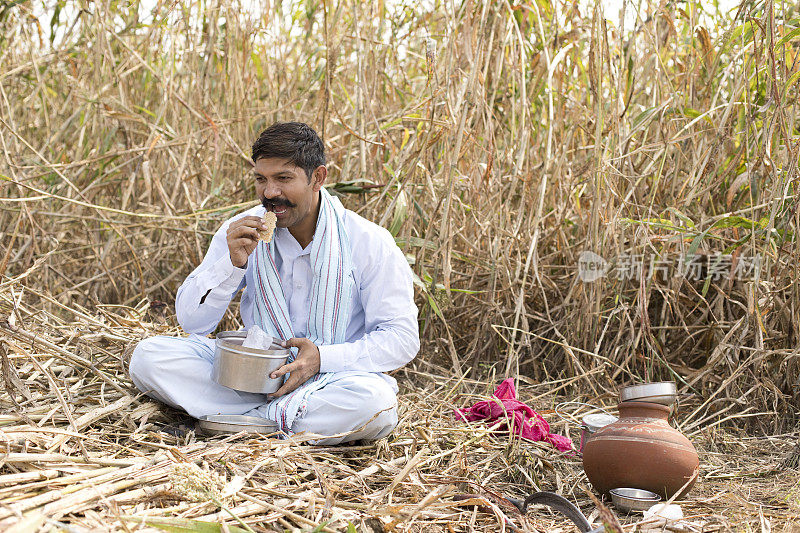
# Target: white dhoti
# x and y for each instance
(177, 372)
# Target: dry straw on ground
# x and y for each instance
(81, 450)
(497, 141)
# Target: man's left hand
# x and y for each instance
(304, 367)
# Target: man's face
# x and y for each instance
(285, 190)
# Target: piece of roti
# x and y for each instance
(269, 220)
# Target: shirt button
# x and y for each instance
(298, 285)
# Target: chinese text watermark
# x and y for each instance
(697, 267)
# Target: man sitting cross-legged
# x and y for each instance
(330, 284)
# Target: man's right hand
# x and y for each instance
(243, 238)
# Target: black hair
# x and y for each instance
(294, 141)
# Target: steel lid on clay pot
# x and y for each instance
(662, 392)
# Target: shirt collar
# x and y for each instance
(288, 245)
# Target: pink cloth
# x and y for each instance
(526, 422)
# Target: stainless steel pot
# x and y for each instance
(246, 369)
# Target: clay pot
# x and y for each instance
(640, 450)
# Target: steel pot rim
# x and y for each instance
(275, 351)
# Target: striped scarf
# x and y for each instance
(331, 291)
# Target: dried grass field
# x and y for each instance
(498, 142)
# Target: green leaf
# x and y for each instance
(726, 222)
(795, 33)
(691, 113)
(256, 59)
(659, 223)
(686, 220)
(696, 242)
(424, 287)
(464, 291)
(706, 285)
(738, 222)
(145, 110)
(400, 213)
(55, 19)
(793, 79)
(546, 6)
(435, 307)
(353, 186)
(395, 122)
(745, 30)
(416, 242)
(182, 525)
(320, 527)
(694, 113)
(644, 117)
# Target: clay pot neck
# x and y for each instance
(643, 410)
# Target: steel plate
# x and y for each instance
(228, 424)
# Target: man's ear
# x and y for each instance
(318, 177)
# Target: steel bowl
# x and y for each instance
(662, 392)
(627, 499)
(227, 424)
(246, 369)
(592, 423)
(595, 421)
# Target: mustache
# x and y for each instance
(276, 202)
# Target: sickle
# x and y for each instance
(553, 501)
(560, 504)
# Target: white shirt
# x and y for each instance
(383, 333)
